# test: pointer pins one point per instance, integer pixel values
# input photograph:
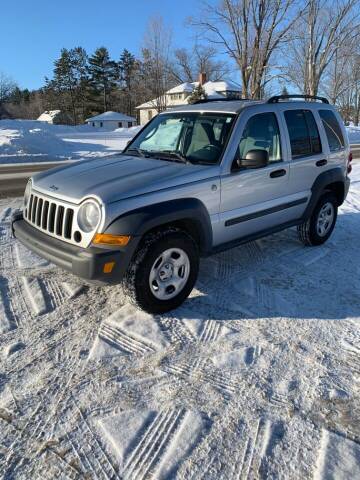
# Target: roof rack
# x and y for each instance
(276, 98)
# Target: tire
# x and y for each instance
(316, 231)
(163, 271)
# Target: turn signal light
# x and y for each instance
(108, 239)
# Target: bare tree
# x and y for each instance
(7, 87)
(188, 64)
(249, 31)
(324, 29)
(156, 61)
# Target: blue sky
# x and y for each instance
(33, 32)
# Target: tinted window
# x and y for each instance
(303, 133)
(332, 129)
(261, 133)
(313, 132)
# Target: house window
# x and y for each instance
(149, 114)
(101, 124)
(129, 124)
(119, 124)
(93, 124)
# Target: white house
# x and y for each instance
(111, 121)
(179, 96)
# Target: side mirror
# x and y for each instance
(254, 159)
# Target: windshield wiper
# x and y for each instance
(170, 153)
(142, 153)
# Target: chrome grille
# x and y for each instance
(50, 216)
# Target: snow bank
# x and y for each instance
(34, 141)
(353, 134)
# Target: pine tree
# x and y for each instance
(128, 66)
(197, 94)
(284, 91)
(65, 81)
(103, 75)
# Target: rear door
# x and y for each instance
(253, 200)
(308, 150)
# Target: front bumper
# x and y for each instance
(87, 263)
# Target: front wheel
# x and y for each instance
(163, 271)
(318, 228)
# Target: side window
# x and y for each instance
(261, 133)
(332, 130)
(303, 133)
(313, 132)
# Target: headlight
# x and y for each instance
(88, 216)
(27, 193)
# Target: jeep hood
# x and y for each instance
(116, 178)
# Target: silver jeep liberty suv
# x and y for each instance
(195, 180)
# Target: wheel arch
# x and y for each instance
(188, 214)
(330, 181)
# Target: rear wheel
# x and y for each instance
(163, 271)
(318, 228)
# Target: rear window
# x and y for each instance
(332, 130)
(303, 133)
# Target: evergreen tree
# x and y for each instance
(65, 81)
(128, 66)
(103, 75)
(284, 91)
(197, 94)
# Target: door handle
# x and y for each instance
(321, 163)
(278, 173)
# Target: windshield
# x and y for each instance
(186, 137)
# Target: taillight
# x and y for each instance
(349, 166)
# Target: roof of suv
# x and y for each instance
(232, 106)
(226, 106)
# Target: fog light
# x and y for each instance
(108, 239)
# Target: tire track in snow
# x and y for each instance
(197, 372)
(122, 340)
(153, 444)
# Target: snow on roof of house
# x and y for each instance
(183, 87)
(222, 86)
(212, 89)
(48, 115)
(111, 116)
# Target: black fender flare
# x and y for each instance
(139, 221)
(321, 183)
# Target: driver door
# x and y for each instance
(254, 200)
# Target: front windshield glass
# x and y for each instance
(186, 137)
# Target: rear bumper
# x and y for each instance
(85, 263)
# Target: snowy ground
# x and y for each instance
(257, 375)
(32, 141)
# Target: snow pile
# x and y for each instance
(128, 131)
(49, 116)
(34, 141)
(353, 134)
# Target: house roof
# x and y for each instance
(212, 89)
(223, 86)
(183, 87)
(111, 116)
